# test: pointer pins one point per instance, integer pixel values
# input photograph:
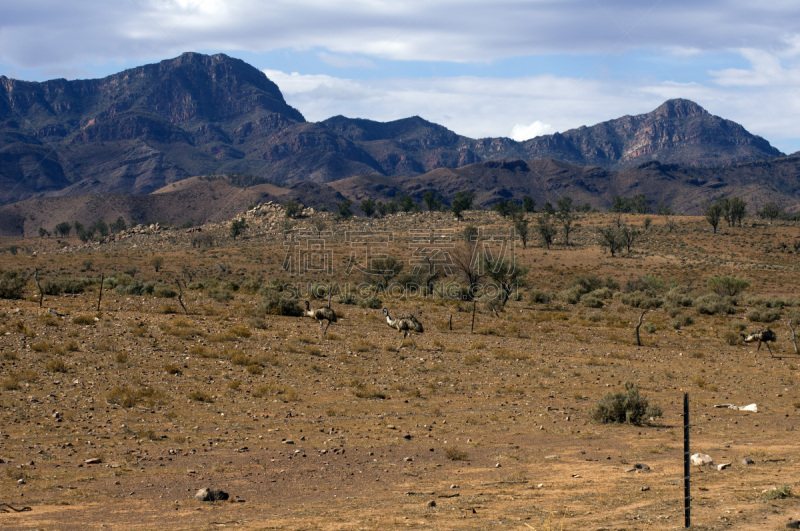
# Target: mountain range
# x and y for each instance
(155, 127)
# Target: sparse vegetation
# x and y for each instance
(625, 408)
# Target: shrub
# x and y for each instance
(164, 291)
(763, 314)
(347, 298)
(537, 296)
(727, 286)
(200, 396)
(126, 397)
(778, 493)
(681, 320)
(628, 407)
(371, 302)
(650, 284)
(679, 296)
(220, 294)
(713, 304)
(641, 299)
(279, 303)
(65, 285)
(454, 454)
(56, 365)
(12, 283)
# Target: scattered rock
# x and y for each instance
(432, 503)
(93, 461)
(701, 460)
(211, 495)
(554, 456)
(645, 488)
(638, 467)
(723, 466)
(793, 524)
(747, 461)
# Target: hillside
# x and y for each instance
(144, 128)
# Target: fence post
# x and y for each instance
(687, 499)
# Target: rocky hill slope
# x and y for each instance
(144, 128)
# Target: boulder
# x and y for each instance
(701, 460)
(211, 495)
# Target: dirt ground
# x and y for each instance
(114, 418)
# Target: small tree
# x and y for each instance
(737, 209)
(118, 226)
(368, 207)
(292, 208)
(545, 229)
(504, 207)
(521, 228)
(345, 209)
(528, 204)
(713, 213)
(43, 232)
(505, 274)
(432, 200)
(63, 229)
(406, 203)
(237, 227)
(610, 237)
(770, 212)
(157, 262)
(100, 227)
(566, 216)
(462, 201)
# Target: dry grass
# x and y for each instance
(345, 432)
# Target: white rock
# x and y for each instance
(701, 460)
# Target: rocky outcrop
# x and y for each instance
(153, 125)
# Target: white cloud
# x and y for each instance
(524, 132)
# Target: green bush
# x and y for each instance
(727, 286)
(371, 302)
(763, 314)
(65, 285)
(537, 296)
(12, 283)
(681, 320)
(678, 297)
(641, 299)
(713, 304)
(625, 408)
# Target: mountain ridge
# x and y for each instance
(146, 127)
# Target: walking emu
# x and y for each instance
(321, 314)
(406, 324)
(765, 335)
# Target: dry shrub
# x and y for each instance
(283, 392)
(56, 365)
(200, 396)
(85, 319)
(127, 397)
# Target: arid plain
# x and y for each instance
(114, 417)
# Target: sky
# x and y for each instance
(512, 68)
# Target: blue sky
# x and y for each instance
(515, 68)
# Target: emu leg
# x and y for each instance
(770, 350)
(326, 328)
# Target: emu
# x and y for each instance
(406, 324)
(765, 335)
(321, 314)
